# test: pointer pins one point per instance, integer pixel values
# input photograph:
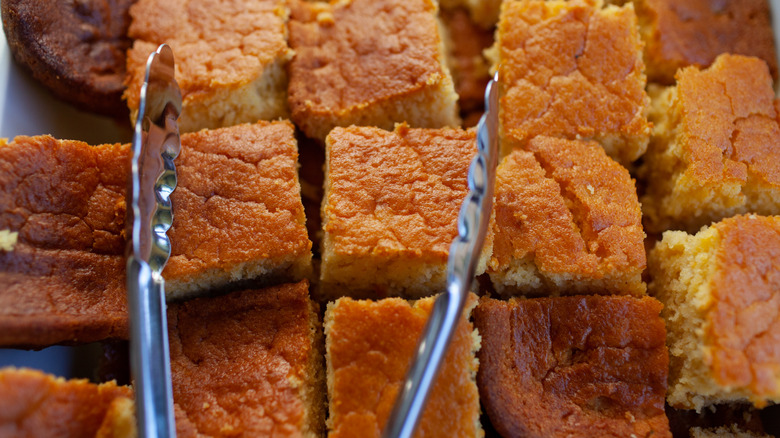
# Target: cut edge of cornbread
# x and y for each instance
(682, 267)
(292, 268)
(684, 263)
(475, 346)
(385, 275)
(523, 274)
(264, 98)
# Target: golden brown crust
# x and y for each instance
(213, 50)
(36, 404)
(75, 49)
(353, 56)
(571, 69)
(738, 131)
(679, 34)
(717, 154)
(239, 361)
(391, 207)
(572, 211)
(573, 366)
(745, 316)
(64, 280)
(370, 207)
(237, 202)
(238, 197)
(369, 347)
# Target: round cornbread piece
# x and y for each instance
(75, 49)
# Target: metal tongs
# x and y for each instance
(473, 223)
(155, 145)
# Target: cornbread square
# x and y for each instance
(35, 404)
(679, 34)
(237, 210)
(369, 348)
(230, 58)
(573, 366)
(715, 150)
(483, 12)
(237, 216)
(368, 63)
(248, 364)
(721, 295)
(572, 69)
(63, 272)
(568, 221)
(390, 210)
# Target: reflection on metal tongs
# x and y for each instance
(464, 253)
(155, 145)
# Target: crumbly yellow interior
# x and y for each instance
(263, 98)
(682, 267)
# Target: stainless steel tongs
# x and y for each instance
(464, 254)
(155, 145)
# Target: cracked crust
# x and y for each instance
(566, 228)
(572, 70)
(714, 150)
(368, 63)
(721, 291)
(573, 366)
(64, 280)
(248, 364)
(237, 215)
(678, 34)
(238, 211)
(369, 345)
(229, 66)
(36, 404)
(390, 209)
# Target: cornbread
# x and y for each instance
(721, 295)
(715, 150)
(74, 49)
(573, 366)
(679, 34)
(390, 210)
(572, 69)
(368, 63)
(728, 432)
(237, 215)
(34, 404)
(230, 58)
(369, 346)
(482, 12)
(63, 281)
(567, 221)
(466, 42)
(237, 210)
(248, 364)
